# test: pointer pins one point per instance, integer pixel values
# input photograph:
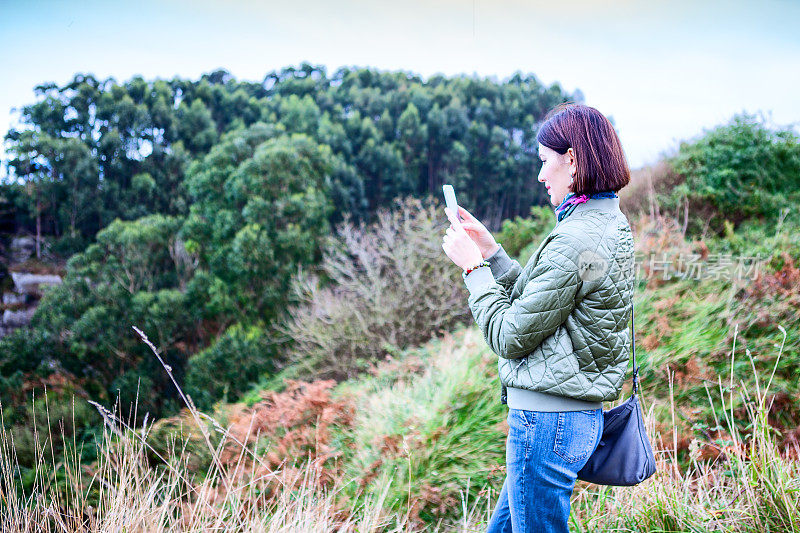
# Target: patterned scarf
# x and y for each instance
(567, 205)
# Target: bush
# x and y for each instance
(229, 366)
(68, 245)
(737, 171)
(391, 286)
(519, 233)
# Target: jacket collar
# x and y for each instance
(606, 205)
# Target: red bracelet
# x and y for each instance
(482, 263)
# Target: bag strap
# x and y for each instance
(633, 352)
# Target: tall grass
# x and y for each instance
(749, 485)
(133, 496)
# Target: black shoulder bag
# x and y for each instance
(624, 456)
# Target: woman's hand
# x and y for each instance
(458, 246)
(478, 233)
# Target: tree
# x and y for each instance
(261, 207)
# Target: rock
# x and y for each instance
(27, 283)
(22, 248)
(11, 298)
(17, 319)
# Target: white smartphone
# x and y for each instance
(450, 199)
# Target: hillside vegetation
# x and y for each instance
(187, 208)
(361, 395)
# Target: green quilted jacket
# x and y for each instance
(560, 324)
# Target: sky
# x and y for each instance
(662, 71)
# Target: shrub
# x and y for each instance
(391, 285)
(229, 366)
(519, 233)
(736, 171)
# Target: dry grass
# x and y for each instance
(748, 486)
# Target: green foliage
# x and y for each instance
(196, 126)
(210, 231)
(260, 209)
(52, 421)
(428, 426)
(134, 254)
(519, 233)
(228, 367)
(80, 145)
(299, 115)
(736, 171)
(82, 327)
(95, 150)
(192, 209)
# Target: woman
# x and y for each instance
(559, 325)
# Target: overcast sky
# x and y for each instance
(663, 71)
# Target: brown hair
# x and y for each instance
(600, 161)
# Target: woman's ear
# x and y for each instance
(571, 158)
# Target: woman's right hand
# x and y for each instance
(478, 233)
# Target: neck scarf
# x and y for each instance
(567, 205)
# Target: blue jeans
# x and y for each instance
(544, 452)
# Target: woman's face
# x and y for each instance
(556, 172)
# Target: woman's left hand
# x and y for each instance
(458, 246)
